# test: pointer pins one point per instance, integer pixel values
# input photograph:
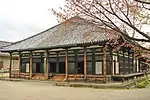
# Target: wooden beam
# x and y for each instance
(85, 67)
(39, 51)
(31, 60)
(66, 65)
(104, 64)
(10, 65)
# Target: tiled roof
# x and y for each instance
(73, 31)
(4, 43)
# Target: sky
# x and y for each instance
(20, 19)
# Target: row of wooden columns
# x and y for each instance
(66, 64)
(47, 64)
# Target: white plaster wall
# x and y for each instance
(6, 63)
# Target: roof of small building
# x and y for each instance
(68, 33)
(4, 43)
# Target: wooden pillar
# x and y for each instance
(135, 63)
(118, 57)
(31, 60)
(76, 61)
(19, 63)
(47, 64)
(123, 62)
(57, 62)
(112, 62)
(104, 64)
(42, 60)
(129, 67)
(133, 68)
(93, 61)
(139, 65)
(66, 65)
(85, 67)
(10, 65)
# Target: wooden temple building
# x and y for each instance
(73, 50)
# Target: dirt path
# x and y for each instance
(42, 91)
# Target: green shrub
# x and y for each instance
(146, 81)
(142, 84)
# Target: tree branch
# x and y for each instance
(141, 1)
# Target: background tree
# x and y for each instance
(127, 17)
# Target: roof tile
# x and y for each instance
(76, 31)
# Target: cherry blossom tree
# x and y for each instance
(126, 17)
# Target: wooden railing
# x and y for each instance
(22, 75)
(57, 77)
(92, 78)
(61, 77)
(127, 77)
(96, 78)
(25, 75)
(76, 77)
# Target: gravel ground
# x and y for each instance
(43, 91)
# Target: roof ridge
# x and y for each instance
(5, 41)
(45, 30)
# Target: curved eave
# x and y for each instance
(58, 46)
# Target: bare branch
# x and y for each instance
(141, 1)
(118, 15)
